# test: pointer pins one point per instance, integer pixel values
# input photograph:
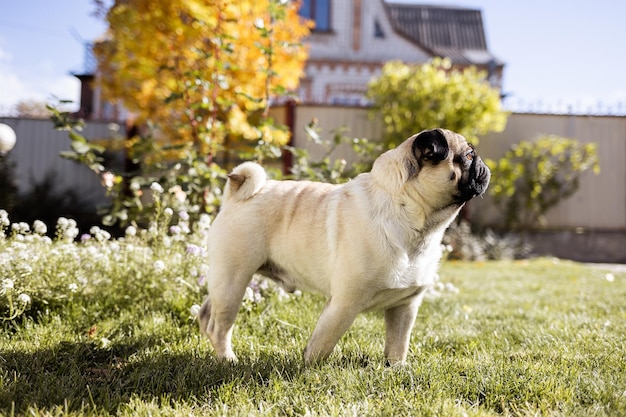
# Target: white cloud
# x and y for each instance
(64, 88)
(45, 85)
(4, 55)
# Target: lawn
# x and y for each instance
(108, 331)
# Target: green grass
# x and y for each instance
(519, 338)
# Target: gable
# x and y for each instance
(456, 33)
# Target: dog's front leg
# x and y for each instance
(398, 325)
(335, 320)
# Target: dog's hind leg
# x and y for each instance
(219, 311)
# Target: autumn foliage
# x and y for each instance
(203, 71)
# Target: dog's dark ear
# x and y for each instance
(430, 145)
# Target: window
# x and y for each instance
(319, 12)
(378, 30)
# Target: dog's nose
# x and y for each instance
(477, 180)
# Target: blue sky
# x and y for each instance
(557, 52)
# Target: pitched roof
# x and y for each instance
(456, 33)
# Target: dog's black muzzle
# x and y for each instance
(474, 180)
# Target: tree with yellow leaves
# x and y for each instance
(203, 72)
(200, 75)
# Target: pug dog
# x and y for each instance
(373, 243)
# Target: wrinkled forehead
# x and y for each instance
(456, 142)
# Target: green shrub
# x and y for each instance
(534, 176)
(432, 95)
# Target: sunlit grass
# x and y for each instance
(538, 337)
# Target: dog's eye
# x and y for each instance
(469, 155)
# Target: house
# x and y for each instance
(353, 39)
(91, 105)
(351, 42)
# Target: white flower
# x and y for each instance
(108, 179)
(20, 227)
(193, 249)
(73, 287)
(130, 231)
(156, 187)
(451, 288)
(609, 277)
(282, 294)
(71, 233)
(194, 310)
(92, 251)
(62, 222)
(249, 294)
(168, 212)
(7, 284)
(204, 222)
(105, 342)
(159, 265)
(25, 228)
(179, 194)
(23, 298)
(40, 227)
(4, 218)
(99, 234)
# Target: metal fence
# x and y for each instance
(36, 159)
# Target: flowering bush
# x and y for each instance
(164, 263)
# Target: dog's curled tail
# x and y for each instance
(244, 181)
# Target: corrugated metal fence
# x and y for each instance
(36, 159)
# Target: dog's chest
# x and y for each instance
(408, 279)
